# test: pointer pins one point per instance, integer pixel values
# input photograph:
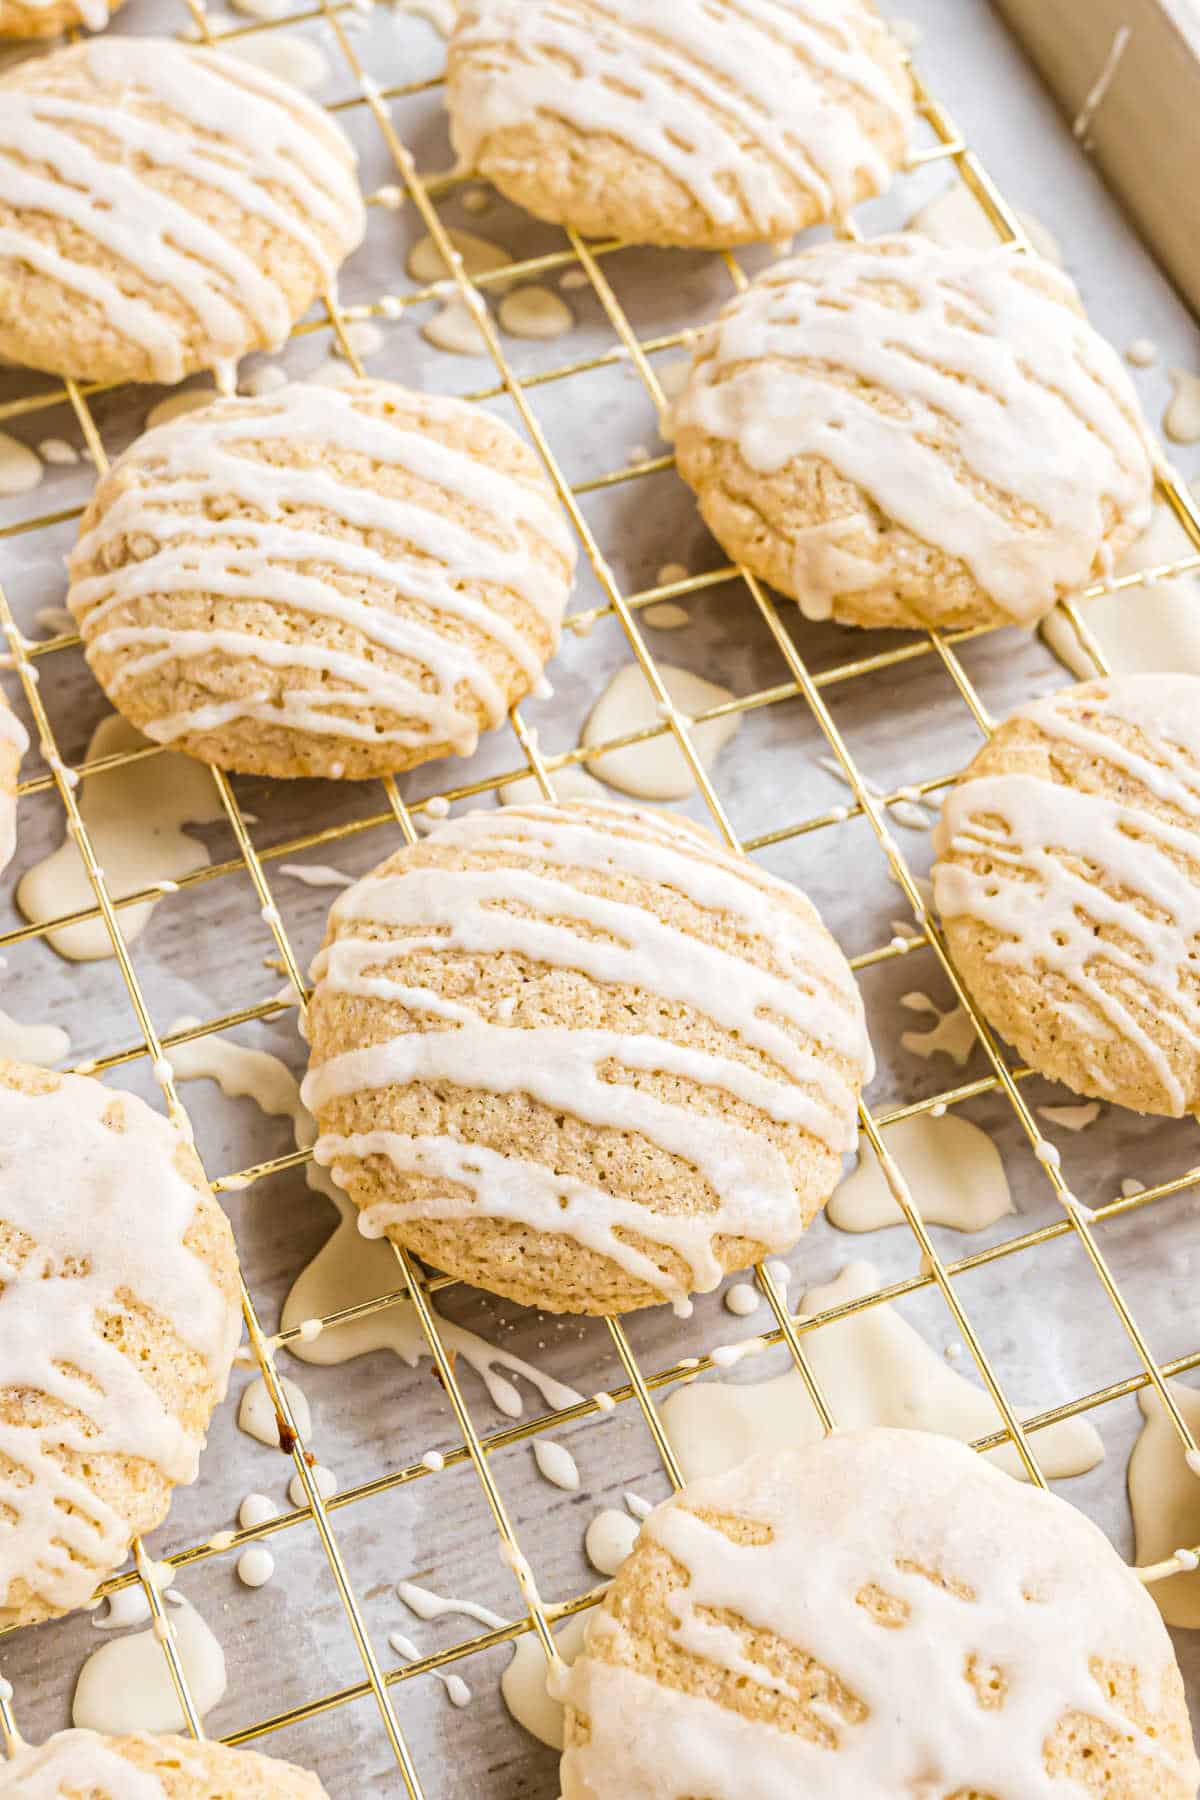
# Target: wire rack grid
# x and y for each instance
(799, 682)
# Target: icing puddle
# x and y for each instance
(1156, 626)
(1164, 1497)
(952, 1168)
(125, 1684)
(135, 816)
(656, 769)
(874, 1369)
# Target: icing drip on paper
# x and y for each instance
(740, 105)
(543, 915)
(1015, 1581)
(230, 128)
(285, 55)
(1181, 421)
(135, 816)
(953, 1171)
(954, 1034)
(1076, 845)
(194, 468)
(125, 1684)
(956, 217)
(609, 1539)
(1164, 1497)
(535, 312)
(873, 1369)
(1155, 625)
(43, 1045)
(75, 1188)
(980, 364)
(14, 742)
(656, 769)
(556, 1464)
(20, 467)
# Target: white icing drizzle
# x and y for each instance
(741, 104)
(1074, 844)
(81, 1192)
(612, 941)
(195, 466)
(1047, 1597)
(77, 1762)
(1039, 409)
(233, 129)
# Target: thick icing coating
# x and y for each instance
(95, 1220)
(1062, 861)
(493, 909)
(227, 126)
(76, 1762)
(191, 469)
(981, 412)
(992, 1577)
(740, 103)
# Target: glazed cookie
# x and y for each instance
(583, 1056)
(118, 1322)
(162, 209)
(48, 18)
(703, 123)
(322, 581)
(14, 742)
(1068, 880)
(879, 1614)
(147, 1766)
(901, 433)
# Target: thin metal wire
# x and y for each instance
(791, 1331)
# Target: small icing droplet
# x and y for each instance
(555, 1463)
(255, 1510)
(255, 1566)
(324, 1480)
(609, 1539)
(742, 1299)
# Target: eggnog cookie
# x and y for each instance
(322, 581)
(879, 1614)
(1068, 880)
(583, 1056)
(149, 1766)
(162, 209)
(703, 123)
(47, 18)
(902, 433)
(14, 742)
(118, 1322)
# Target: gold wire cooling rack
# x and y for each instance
(380, 1677)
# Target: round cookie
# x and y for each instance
(1068, 881)
(163, 208)
(702, 123)
(48, 18)
(879, 1614)
(149, 1766)
(583, 1056)
(14, 742)
(322, 581)
(905, 433)
(119, 1318)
